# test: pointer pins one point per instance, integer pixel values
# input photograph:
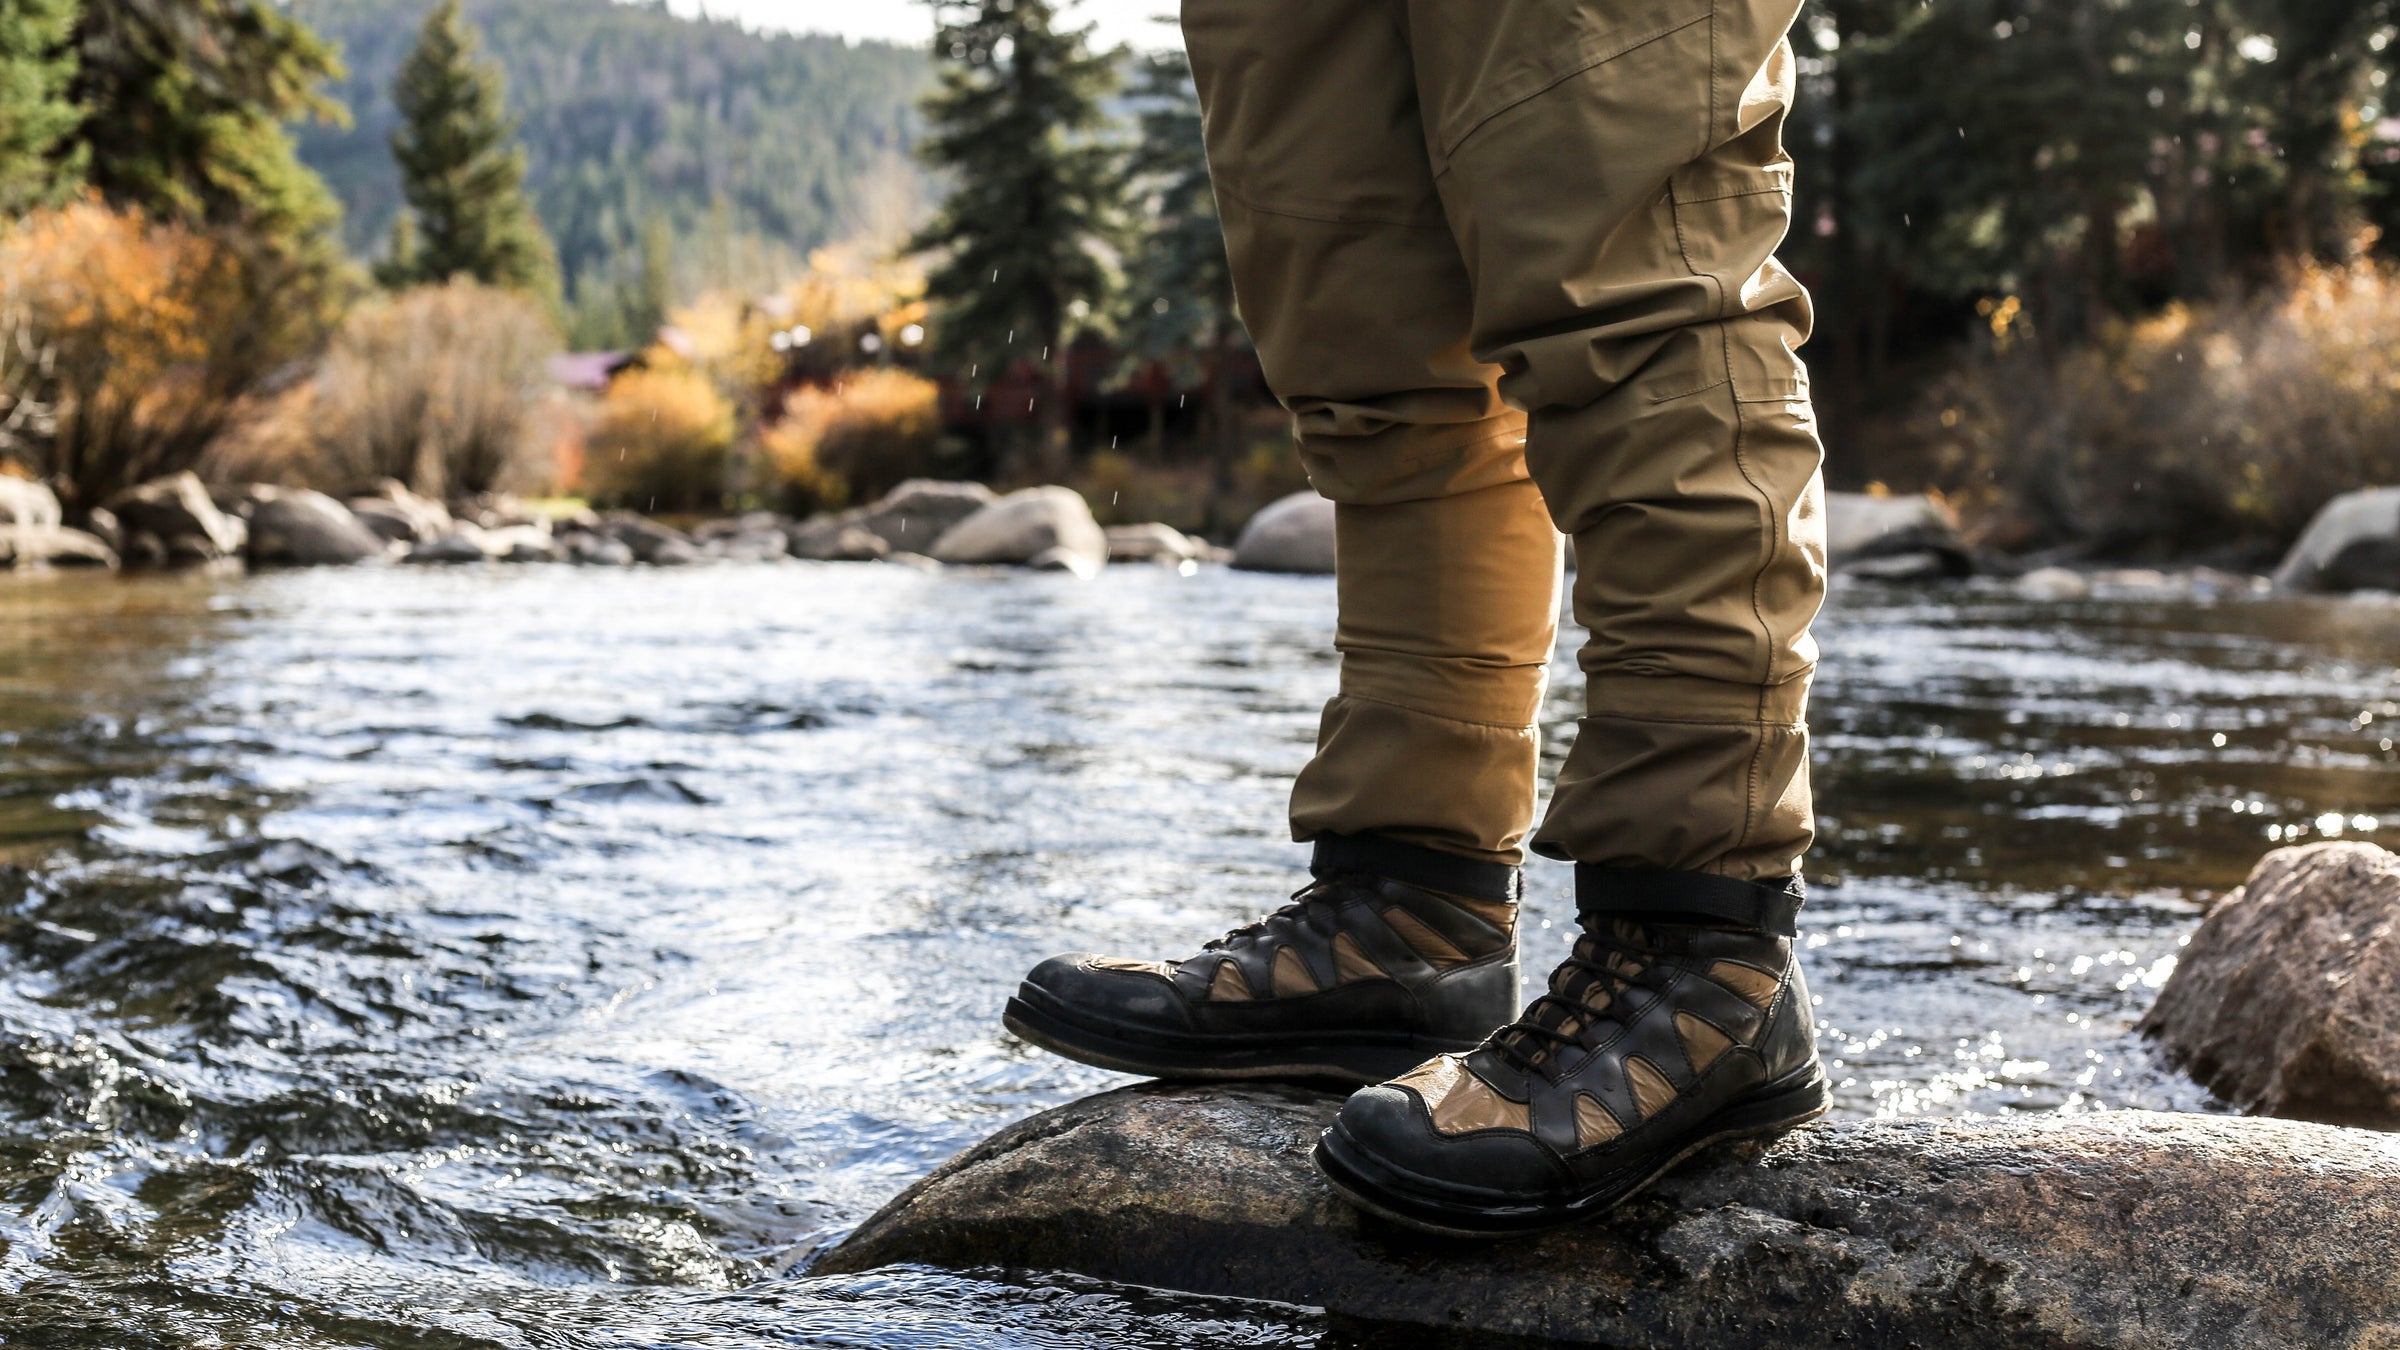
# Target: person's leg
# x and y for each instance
(1422, 790)
(1615, 177)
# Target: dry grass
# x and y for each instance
(443, 388)
(2199, 431)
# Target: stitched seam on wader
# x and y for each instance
(1750, 805)
(1632, 44)
(1328, 214)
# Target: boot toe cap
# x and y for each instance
(1094, 989)
(1392, 1127)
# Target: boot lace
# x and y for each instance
(1607, 961)
(1311, 910)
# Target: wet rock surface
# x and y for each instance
(1894, 538)
(178, 513)
(2131, 1229)
(2287, 1001)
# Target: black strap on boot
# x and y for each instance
(1416, 865)
(1661, 894)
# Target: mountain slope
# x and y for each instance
(742, 144)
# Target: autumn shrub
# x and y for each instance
(444, 388)
(661, 442)
(854, 440)
(139, 344)
(2200, 430)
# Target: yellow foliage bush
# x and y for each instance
(662, 442)
(854, 441)
(138, 344)
(2212, 429)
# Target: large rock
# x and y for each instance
(2352, 544)
(2124, 1229)
(651, 542)
(1293, 534)
(295, 527)
(907, 519)
(25, 502)
(1894, 538)
(401, 516)
(53, 546)
(2286, 1002)
(1024, 526)
(1154, 543)
(177, 511)
(837, 542)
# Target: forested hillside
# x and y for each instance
(740, 144)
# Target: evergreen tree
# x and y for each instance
(1035, 192)
(36, 64)
(459, 169)
(184, 107)
(1179, 292)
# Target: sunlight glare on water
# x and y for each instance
(541, 957)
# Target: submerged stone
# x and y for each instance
(2123, 1229)
(2287, 1001)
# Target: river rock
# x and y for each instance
(841, 543)
(2123, 1229)
(651, 542)
(53, 546)
(1292, 534)
(25, 502)
(2352, 543)
(912, 516)
(1023, 526)
(461, 543)
(2286, 1002)
(522, 544)
(399, 515)
(177, 511)
(1153, 543)
(757, 536)
(588, 548)
(1863, 533)
(298, 528)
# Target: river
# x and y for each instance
(544, 958)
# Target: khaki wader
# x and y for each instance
(1509, 263)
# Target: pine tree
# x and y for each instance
(1179, 294)
(36, 64)
(185, 104)
(1035, 192)
(459, 169)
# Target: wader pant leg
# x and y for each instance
(1358, 300)
(1585, 198)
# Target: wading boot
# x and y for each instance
(1665, 1031)
(1390, 954)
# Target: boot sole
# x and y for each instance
(1385, 1191)
(1355, 1061)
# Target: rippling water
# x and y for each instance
(554, 958)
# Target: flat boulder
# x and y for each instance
(2286, 1002)
(1028, 525)
(1894, 538)
(294, 527)
(2121, 1229)
(2351, 544)
(1290, 534)
(178, 512)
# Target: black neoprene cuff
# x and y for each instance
(1656, 892)
(1416, 865)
